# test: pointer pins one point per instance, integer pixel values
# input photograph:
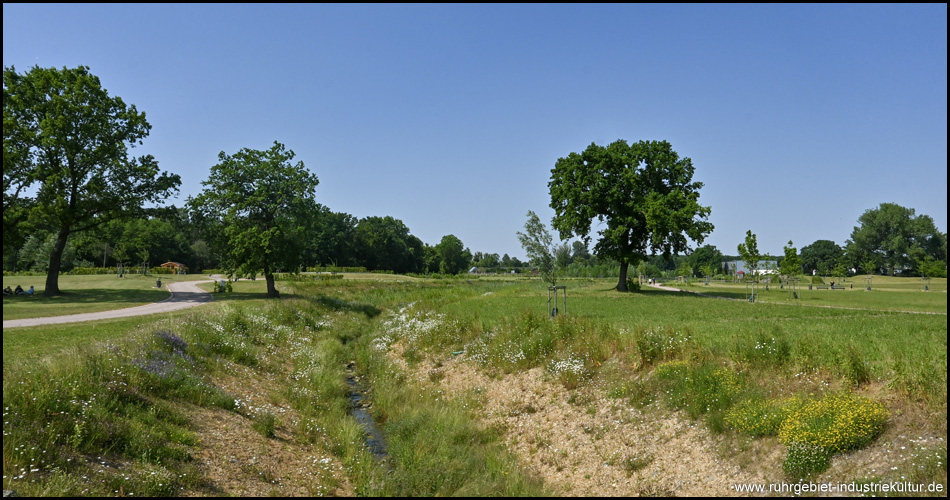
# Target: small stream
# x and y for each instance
(360, 409)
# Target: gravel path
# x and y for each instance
(184, 294)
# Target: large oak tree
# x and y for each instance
(66, 164)
(260, 202)
(643, 193)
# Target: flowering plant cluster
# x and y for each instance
(835, 423)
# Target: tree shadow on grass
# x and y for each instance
(369, 310)
(96, 296)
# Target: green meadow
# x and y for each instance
(827, 383)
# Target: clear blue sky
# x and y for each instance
(798, 118)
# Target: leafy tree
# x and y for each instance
(562, 255)
(705, 256)
(536, 241)
(490, 260)
(579, 252)
(69, 140)
(821, 256)
(384, 243)
(34, 255)
(791, 265)
(749, 251)
(933, 268)
(649, 269)
(431, 259)
(685, 270)
(840, 270)
(643, 192)
(869, 264)
(260, 199)
(453, 257)
(894, 237)
(201, 252)
(332, 237)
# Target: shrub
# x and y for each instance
(756, 417)
(761, 417)
(837, 423)
(834, 424)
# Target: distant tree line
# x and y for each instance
(75, 198)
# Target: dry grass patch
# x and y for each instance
(239, 460)
(584, 444)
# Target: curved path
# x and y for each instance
(184, 294)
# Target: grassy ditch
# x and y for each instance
(124, 417)
(250, 397)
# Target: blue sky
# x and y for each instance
(798, 118)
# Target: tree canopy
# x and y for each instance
(749, 251)
(537, 244)
(453, 256)
(892, 237)
(67, 140)
(261, 202)
(821, 256)
(385, 243)
(643, 192)
(791, 264)
(707, 260)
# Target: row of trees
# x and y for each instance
(645, 196)
(73, 193)
(890, 239)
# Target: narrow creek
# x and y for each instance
(359, 408)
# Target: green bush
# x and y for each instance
(92, 270)
(761, 417)
(833, 424)
(837, 423)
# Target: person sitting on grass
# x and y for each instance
(29, 292)
(18, 290)
(7, 291)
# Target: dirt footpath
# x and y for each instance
(184, 294)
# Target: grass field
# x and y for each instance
(82, 294)
(479, 392)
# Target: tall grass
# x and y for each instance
(70, 419)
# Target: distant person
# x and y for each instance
(18, 290)
(30, 291)
(7, 290)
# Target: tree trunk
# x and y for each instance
(55, 264)
(269, 278)
(622, 286)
